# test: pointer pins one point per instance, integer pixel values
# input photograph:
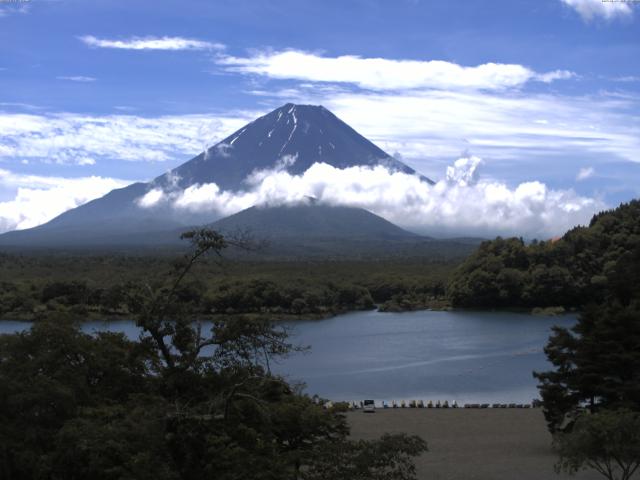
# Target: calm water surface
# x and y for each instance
(464, 356)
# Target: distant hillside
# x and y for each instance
(312, 221)
(307, 231)
(581, 267)
(321, 231)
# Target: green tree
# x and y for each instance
(390, 458)
(608, 442)
(596, 363)
(48, 376)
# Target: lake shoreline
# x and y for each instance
(288, 317)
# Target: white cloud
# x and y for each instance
(152, 198)
(555, 75)
(78, 78)
(82, 139)
(9, 9)
(20, 105)
(386, 74)
(39, 199)
(151, 43)
(584, 173)
(462, 204)
(627, 78)
(464, 171)
(431, 127)
(606, 9)
(124, 108)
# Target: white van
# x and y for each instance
(369, 406)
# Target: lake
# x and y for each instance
(473, 357)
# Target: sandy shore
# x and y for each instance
(470, 444)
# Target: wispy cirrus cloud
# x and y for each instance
(20, 105)
(66, 138)
(9, 8)
(383, 74)
(77, 78)
(608, 10)
(555, 75)
(151, 43)
(38, 199)
(627, 78)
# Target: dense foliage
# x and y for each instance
(608, 442)
(179, 403)
(597, 362)
(570, 272)
(99, 286)
(591, 397)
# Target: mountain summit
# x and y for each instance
(291, 138)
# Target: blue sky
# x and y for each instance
(97, 94)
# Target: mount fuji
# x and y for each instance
(290, 138)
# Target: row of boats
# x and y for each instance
(368, 404)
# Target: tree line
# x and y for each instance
(99, 287)
(571, 271)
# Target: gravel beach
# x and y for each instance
(471, 444)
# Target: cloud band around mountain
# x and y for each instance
(461, 204)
